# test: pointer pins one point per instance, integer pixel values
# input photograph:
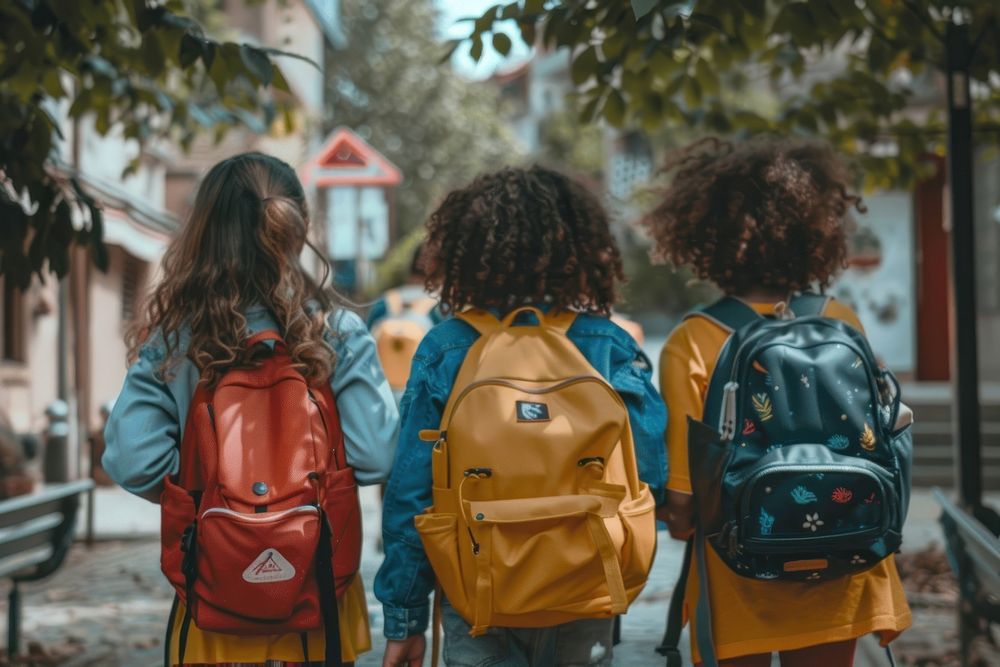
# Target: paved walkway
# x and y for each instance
(107, 606)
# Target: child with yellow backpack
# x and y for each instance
(399, 321)
(530, 458)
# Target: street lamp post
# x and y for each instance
(963, 242)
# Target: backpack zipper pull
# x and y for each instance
(727, 423)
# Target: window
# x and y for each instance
(132, 274)
(14, 343)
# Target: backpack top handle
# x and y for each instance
(486, 323)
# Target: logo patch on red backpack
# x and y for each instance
(269, 566)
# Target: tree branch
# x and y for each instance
(926, 20)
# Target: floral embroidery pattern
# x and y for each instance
(748, 426)
(857, 362)
(803, 496)
(838, 442)
(868, 439)
(762, 404)
(812, 522)
(766, 522)
(766, 575)
(804, 380)
(857, 560)
(813, 577)
(842, 495)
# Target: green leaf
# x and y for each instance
(190, 50)
(692, 92)
(584, 65)
(614, 109)
(707, 78)
(502, 43)
(476, 50)
(257, 62)
(278, 80)
(152, 53)
(613, 45)
(643, 7)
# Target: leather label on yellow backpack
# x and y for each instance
(532, 412)
(803, 565)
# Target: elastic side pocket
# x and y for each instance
(439, 533)
(177, 513)
(343, 511)
(638, 519)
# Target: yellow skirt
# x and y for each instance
(213, 648)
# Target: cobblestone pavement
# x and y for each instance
(108, 604)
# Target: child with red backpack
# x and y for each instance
(252, 408)
(530, 455)
(789, 448)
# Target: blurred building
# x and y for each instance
(84, 360)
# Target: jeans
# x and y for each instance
(585, 643)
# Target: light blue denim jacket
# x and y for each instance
(148, 418)
(406, 579)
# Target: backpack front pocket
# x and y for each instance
(789, 508)
(547, 554)
(256, 565)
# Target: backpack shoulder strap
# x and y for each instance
(393, 302)
(730, 313)
(809, 303)
(481, 320)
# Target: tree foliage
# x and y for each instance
(140, 67)
(866, 74)
(439, 128)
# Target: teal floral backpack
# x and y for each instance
(797, 471)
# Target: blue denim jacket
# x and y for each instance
(406, 579)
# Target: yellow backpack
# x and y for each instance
(398, 335)
(539, 517)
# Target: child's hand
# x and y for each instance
(678, 514)
(407, 652)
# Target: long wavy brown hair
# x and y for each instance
(239, 248)
(519, 235)
(761, 214)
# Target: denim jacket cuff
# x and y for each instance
(403, 622)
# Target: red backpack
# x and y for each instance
(261, 530)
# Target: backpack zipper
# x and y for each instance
(310, 509)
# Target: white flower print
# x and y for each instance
(857, 560)
(813, 577)
(812, 522)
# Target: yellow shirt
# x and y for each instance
(750, 616)
(212, 648)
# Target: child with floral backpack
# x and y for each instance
(766, 221)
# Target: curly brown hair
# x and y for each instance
(239, 248)
(762, 214)
(522, 235)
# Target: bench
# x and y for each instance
(36, 532)
(973, 548)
